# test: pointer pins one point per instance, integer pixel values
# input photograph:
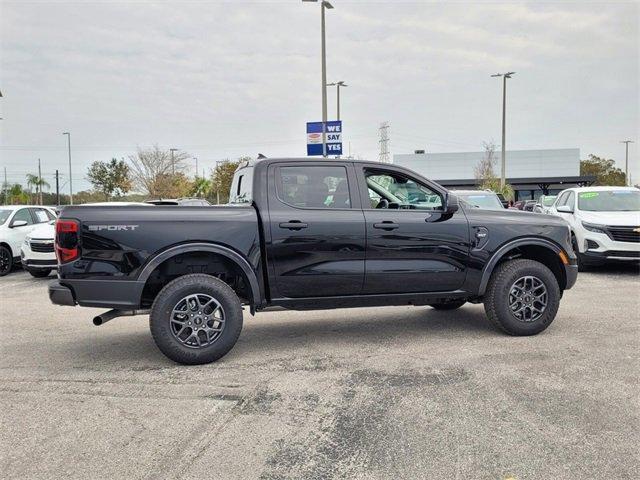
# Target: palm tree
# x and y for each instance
(201, 187)
(17, 195)
(39, 183)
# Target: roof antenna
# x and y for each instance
(261, 156)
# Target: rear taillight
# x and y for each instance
(67, 240)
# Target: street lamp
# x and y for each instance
(324, 4)
(173, 162)
(68, 134)
(338, 85)
(504, 107)
(196, 159)
(627, 181)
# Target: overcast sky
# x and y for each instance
(225, 79)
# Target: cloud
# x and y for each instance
(222, 78)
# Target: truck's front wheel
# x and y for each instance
(522, 297)
(196, 319)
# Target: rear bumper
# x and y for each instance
(60, 294)
(118, 294)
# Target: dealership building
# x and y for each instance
(531, 173)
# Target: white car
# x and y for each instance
(545, 203)
(604, 221)
(37, 253)
(480, 198)
(16, 222)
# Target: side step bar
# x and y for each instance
(111, 314)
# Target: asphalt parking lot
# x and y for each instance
(402, 392)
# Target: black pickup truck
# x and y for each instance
(309, 234)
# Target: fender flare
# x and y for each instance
(497, 256)
(226, 252)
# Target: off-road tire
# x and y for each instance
(496, 300)
(165, 302)
(451, 305)
(40, 273)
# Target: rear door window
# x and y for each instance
(40, 215)
(314, 186)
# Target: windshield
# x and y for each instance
(548, 201)
(609, 201)
(482, 200)
(4, 214)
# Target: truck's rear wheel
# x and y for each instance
(522, 297)
(196, 319)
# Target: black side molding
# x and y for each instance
(490, 265)
(238, 259)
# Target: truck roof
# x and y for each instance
(254, 161)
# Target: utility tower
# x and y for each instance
(384, 143)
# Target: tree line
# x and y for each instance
(155, 173)
(149, 174)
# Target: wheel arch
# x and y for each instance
(7, 246)
(539, 249)
(230, 255)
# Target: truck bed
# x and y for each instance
(116, 243)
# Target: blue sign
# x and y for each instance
(334, 138)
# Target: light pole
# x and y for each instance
(324, 4)
(338, 85)
(626, 161)
(173, 162)
(196, 159)
(68, 134)
(504, 115)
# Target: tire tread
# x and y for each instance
(195, 357)
(500, 275)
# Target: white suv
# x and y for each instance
(37, 253)
(16, 222)
(605, 223)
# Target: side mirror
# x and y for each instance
(18, 223)
(451, 203)
(564, 209)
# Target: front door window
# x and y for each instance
(395, 191)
